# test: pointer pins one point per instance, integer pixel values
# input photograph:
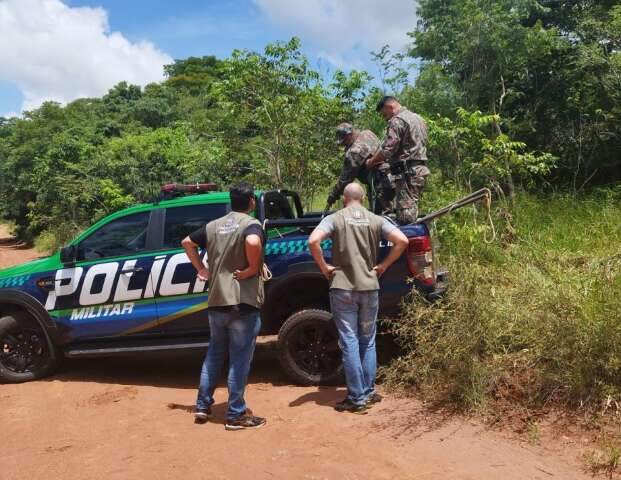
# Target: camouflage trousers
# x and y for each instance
(383, 193)
(400, 194)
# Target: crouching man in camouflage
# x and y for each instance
(359, 145)
(404, 149)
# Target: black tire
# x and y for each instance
(26, 352)
(309, 350)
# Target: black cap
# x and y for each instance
(384, 101)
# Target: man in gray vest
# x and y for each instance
(405, 150)
(354, 288)
(234, 245)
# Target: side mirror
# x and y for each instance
(68, 254)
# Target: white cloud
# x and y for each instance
(343, 29)
(345, 60)
(54, 52)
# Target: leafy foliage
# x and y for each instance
(278, 117)
(470, 155)
(530, 320)
(550, 69)
(266, 118)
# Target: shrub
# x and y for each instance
(533, 318)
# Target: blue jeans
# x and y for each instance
(355, 315)
(234, 332)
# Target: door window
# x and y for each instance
(277, 207)
(181, 221)
(121, 237)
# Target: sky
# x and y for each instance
(65, 49)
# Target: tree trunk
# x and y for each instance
(509, 183)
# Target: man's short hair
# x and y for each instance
(384, 101)
(241, 194)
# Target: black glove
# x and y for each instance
(331, 199)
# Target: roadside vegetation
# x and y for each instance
(532, 319)
(523, 97)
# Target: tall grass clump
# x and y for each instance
(533, 318)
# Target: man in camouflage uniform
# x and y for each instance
(359, 145)
(404, 149)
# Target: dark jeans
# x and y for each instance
(235, 332)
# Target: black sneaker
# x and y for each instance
(348, 406)
(202, 415)
(245, 422)
(374, 398)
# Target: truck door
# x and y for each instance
(109, 291)
(181, 297)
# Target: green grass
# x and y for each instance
(532, 319)
(47, 243)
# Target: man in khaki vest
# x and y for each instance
(234, 245)
(354, 288)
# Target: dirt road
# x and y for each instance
(11, 251)
(112, 419)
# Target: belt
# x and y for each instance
(400, 165)
(416, 163)
(408, 162)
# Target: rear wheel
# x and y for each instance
(25, 351)
(309, 350)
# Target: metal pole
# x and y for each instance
(483, 194)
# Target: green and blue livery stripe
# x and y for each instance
(292, 246)
(182, 312)
(14, 281)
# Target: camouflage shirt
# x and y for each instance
(365, 145)
(406, 136)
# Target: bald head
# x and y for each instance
(353, 193)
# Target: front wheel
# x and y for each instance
(25, 351)
(309, 349)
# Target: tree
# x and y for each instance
(549, 68)
(278, 118)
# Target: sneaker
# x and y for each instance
(374, 398)
(348, 406)
(245, 422)
(202, 415)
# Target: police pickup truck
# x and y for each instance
(125, 285)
